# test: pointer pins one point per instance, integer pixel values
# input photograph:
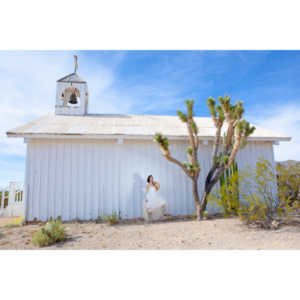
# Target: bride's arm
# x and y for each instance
(157, 185)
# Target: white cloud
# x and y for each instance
(284, 119)
(28, 85)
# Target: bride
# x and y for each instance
(155, 206)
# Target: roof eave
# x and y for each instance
(125, 136)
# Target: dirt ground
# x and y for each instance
(170, 234)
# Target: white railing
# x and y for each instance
(3, 198)
(12, 200)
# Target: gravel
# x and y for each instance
(179, 234)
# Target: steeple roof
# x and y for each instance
(73, 77)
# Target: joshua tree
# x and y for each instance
(224, 149)
(190, 168)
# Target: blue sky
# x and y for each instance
(150, 82)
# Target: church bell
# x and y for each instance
(73, 98)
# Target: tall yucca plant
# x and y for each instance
(224, 150)
(191, 168)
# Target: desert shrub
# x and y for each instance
(112, 219)
(52, 232)
(269, 197)
(260, 199)
(41, 238)
(288, 181)
(227, 194)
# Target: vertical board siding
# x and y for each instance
(84, 179)
(28, 180)
(248, 156)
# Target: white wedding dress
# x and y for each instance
(155, 206)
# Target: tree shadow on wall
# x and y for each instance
(138, 190)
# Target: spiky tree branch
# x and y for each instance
(225, 148)
(192, 167)
(235, 137)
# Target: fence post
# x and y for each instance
(25, 201)
(12, 193)
(2, 198)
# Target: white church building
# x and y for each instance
(81, 165)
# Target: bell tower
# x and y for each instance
(72, 94)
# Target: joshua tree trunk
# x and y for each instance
(202, 206)
(196, 198)
(209, 184)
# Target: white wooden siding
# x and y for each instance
(84, 179)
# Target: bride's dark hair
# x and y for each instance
(148, 178)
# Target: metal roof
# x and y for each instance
(131, 126)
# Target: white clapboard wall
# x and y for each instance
(84, 179)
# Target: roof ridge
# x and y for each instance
(139, 115)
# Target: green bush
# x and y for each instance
(227, 195)
(41, 238)
(112, 219)
(258, 191)
(288, 181)
(268, 199)
(52, 232)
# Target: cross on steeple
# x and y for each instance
(75, 63)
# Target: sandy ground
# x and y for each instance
(179, 234)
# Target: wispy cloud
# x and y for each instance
(28, 81)
(28, 85)
(284, 119)
(146, 82)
